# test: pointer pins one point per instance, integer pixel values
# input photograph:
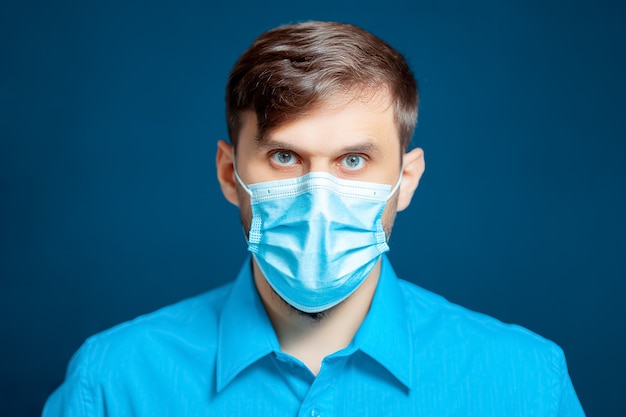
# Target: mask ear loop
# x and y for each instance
(239, 180)
(247, 190)
(395, 187)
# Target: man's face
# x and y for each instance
(350, 138)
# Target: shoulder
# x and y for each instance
(188, 326)
(482, 362)
(113, 368)
(461, 333)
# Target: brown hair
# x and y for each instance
(291, 69)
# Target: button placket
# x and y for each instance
(320, 399)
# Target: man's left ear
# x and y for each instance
(412, 169)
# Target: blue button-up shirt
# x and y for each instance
(217, 355)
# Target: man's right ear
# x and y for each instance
(225, 164)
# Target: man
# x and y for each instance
(317, 324)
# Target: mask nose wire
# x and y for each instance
(245, 187)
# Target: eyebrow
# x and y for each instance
(366, 146)
(266, 143)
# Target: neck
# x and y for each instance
(311, 339)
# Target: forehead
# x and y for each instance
(366, 120)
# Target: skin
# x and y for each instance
(352, 138)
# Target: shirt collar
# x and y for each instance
(245, 331)
(384, 335)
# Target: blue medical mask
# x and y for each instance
(316, 238)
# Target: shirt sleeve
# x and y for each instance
(76, 396)
(569, 405)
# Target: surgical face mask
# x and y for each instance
(316, 238)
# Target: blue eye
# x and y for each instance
(284, 158)
(353, 162)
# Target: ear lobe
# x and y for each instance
(224, 162)
(412, 170)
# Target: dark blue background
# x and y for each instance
(110, 113)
